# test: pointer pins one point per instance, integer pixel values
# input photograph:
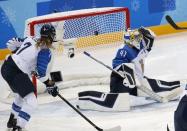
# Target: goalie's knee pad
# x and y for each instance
(93, 100)
(160, 85)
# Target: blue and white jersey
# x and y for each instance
(128, 54)
(31, 58)
(124, 55)
(26, 56)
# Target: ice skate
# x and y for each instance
(17, 128)
(11, 122)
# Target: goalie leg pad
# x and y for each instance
(173, 94)
(160, 85)
(117, 85)
(100, 101)
(171, 90)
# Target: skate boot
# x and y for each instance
(12, 121)
(17, 128)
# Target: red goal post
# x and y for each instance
(89, 26)
(86, 27)
(72, 15)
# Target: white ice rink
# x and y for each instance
(167, 61)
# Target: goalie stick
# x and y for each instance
(142, 88)
(173, 24)
(116, 128)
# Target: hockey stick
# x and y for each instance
(173, 24)
(142, 88)
(116, 128)
(168, 128)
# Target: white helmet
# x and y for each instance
(133, 37)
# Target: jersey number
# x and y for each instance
(123, 53)
(26, 45)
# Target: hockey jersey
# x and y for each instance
(30, 58)
(127, 54)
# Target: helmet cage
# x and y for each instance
(133, 37)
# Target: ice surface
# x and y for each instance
(166, 61)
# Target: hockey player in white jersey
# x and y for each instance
(138, 44)
(29, 55)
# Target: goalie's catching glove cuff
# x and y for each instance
(144, 31)
(52, 89)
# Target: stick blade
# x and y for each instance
(116, 128)
(173, 24)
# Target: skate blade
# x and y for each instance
(117, 128)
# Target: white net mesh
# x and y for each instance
(90, 26)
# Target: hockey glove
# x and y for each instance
(148, 37)
(34, 73)
(52, 89)
(143, 31)
(14, 44)
(146, 32)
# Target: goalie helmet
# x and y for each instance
(133, 38)
(48, 31)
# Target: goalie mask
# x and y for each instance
(48, 31)
(133, 38)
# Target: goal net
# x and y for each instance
(87, 29)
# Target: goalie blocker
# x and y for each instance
(118, 99)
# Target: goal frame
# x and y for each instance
(81, 15)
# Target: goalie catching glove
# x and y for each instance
(52, 89)
(143, 31)
(148, 37)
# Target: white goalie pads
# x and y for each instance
(154, 84)
(99, 101)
